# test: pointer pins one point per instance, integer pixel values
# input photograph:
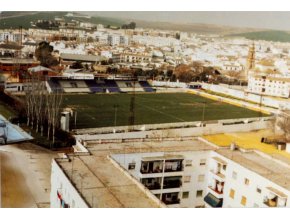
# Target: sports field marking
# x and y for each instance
(168, 115)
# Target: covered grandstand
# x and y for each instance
(96, 85)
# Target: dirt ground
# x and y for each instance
(25, 175)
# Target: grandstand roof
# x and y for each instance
(77, 57)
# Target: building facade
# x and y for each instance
(271, 86)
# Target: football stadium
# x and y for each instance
(103, 110)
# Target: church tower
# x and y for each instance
(251, 59)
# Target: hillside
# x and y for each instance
(15, 19)
(199, 28)
(275, 36)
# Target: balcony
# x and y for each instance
(213, 201)
(151, 167)
(152, 183)
(173, 166)
(172, 182)
(171, 198)
(173, 201)
(275, 198)
(271, 203)
(218, 175)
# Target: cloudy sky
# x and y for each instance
(268, 20)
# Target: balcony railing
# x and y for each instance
(270, 203)
(172, 201)
(151, 171)
(217, 191)
(175, 184)
(153, 186)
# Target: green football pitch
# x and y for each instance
(102, 110)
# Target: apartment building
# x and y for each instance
(168, 174)
(269, 85)
(156, 41)
(10, 36)
(131, 58)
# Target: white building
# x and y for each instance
(269, 85)
(131, 58)
(10, 36)
(113, 40)
(155, 40)
(168, 174)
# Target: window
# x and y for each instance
(247, 181)
(202, 162)
(199, 193)
(188, 163)
(243, 201)
(185, 194)
(234, 175)
(224, 167)
(232, 193)
(187, 178)
(201, 178)
(131, 166)
(258, 190)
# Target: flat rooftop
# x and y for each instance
(267, 168)
(102, 184)
(250, 141)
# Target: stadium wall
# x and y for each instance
(268, 101)
(236, 125)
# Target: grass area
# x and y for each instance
(98, 110)
(275, 36)
(6, 111)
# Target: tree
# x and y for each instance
(53, 107)
(43, 54)
(284, 124)
(183, 73)
(131, 25)
(77, 65)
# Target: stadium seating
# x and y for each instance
(146, 86)
(54, 85)
(95, 87)
(129, 86)
(100, 86)
(74, 86)
(112, 86)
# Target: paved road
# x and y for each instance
(25, 175)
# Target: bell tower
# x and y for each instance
(251, 59)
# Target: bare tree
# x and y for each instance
(53, 106)
(48, 109)
(284, 124)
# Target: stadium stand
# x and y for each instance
(146, 86)
(112, 86)
(72, 86)
(97, 86)
(54, 85)
(129, 86)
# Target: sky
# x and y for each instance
(268, 20)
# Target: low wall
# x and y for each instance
(169, 84)
(179, 133)
(268, 101)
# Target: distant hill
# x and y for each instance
(199, 28)
(271, 35)
(15, 19)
